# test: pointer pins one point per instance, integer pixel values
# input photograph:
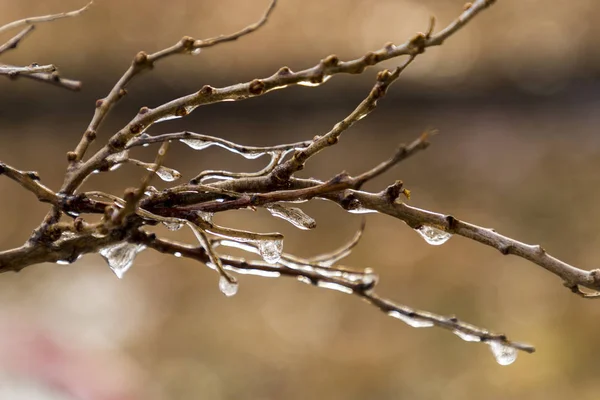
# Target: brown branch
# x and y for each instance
(121, 230)
(44, 18)
(341, 280)
(13, 42)
(30, 181)
(142, 62)
(208, 95)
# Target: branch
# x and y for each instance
(208, 95)
(15, 40)
(44, 18)
(142, 62)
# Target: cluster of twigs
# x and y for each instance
(65, 235)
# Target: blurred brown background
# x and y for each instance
(515, 96)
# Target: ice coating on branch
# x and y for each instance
(197, 144)
(334, 286)
(415, 322)
(227, 288)
(433, 236)
(467, 337)
(173, 226)
(201, 144)
(293, 215)
(310, 83)
(270, 250)
(504, 355)
(120, 256)
(166, 174)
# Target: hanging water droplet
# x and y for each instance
(63, 262)
(467, 337)
(251, 155)
(433, 236)
(197, 144)
(205, 216)
(293, 215)
(197, 51)
(270, 250)
(173, 226)
(150, 190)
(505, 355)
(227, 288)
(177, 254)
(120, 256)
(415, 322)
(167, 174)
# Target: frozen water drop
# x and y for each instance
(205, 216)
(369, 278)
(251, 155)
(120, 256)
(177, 254)
(227, 288)
(173, 226)
(433, 236)
(415, 322)
(467, 337)
(197, 144)
(270, 250)
(167, 174)
(505, 355)
(293, 215)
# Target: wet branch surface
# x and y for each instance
(64, 235)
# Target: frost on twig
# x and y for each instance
(65, 235)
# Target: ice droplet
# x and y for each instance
(177, 254)
(433, 236)
(173, 226)
(120, 256)
(166, 174)
(205, 216)
(505, 355)
(227, 288)
(467, 337)
(369, 278)
(270, 250)
(415, 322)
(197, 144)
(293, 215)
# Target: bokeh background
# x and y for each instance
(515, 97)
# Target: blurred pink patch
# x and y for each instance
(29, 352)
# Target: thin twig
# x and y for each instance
(208, 95)
(13, 42)
(43, 18)
(142, 62)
